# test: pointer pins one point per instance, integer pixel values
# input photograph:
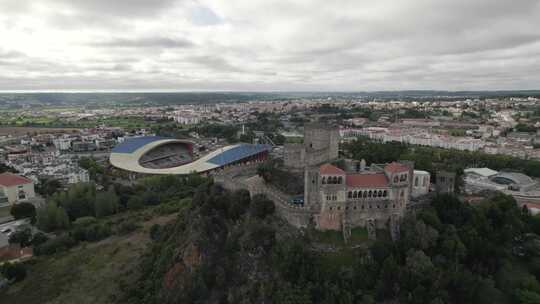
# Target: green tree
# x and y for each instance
(21, 237)
(38, 239)
(106, 203)
(52, 217)
(49, 186)
(23, 210)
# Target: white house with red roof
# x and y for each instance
(16, 188)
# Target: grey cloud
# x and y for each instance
(128, 8)
(214, 63)
(149, 42)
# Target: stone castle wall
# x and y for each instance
(297, 216)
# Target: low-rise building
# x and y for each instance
(16, 188)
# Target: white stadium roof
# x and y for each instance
(485, 172)
(126, 156)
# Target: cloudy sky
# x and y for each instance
(266, 45)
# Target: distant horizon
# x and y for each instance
(258, 91)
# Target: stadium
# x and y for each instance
(158, 155)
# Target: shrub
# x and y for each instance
(135, 203)
(23, 210)
(21, 237)
(167, 208)
(127, 227)
(59, 244)
(13, 271)
(39, 238)
(261, 206)
(91, 233)
(85, 221)
(155, 232)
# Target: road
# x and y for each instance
(13, 224)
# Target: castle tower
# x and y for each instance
(445, 182)
(321, 143)
(399, 176)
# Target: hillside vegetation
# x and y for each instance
(228, 248)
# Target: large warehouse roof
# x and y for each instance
(126, 156)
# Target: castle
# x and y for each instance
(354, 195)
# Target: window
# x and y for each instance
(324, 180)
(385, 193)
(22, 195)
(396, 179)
(355, 195)
(350, 194)
(365, 194)
(416, 181)
(340, 179)
(402, 193)
(424, 181)
(369, 193)
(380, 193)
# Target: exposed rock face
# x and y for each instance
(179, 273)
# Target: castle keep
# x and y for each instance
(320, 145)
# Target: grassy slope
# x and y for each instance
(91, 273)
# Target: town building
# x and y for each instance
(16, 188)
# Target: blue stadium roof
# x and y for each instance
(132, 144)
(237, 153)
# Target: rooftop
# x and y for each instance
(330, 169)
(395, 167)
(367, 180)
(9, 179)
(485, 172)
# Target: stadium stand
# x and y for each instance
(166, 156)
(237, 153)
(132, 144)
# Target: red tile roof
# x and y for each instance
(367, 180)
(396, 167)
(330, 169)
(9, 179)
